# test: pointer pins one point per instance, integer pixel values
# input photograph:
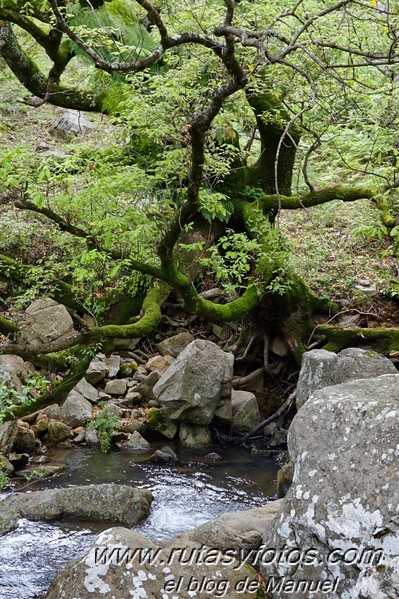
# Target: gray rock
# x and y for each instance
(76, 407)
(126, 344)
(97, 370)
(113, 409)
(72, 123)
(246, 413)
(224, 413)
(116, 387)
(174, 345)
(194, 436)
(192, 388)
(52, 411)
(132, 398)
(44, 321)
(58, 431)
(87, 390)
(159, 363)
(321, 368)
(241, 530)
(279, 347)
(172, 572)
(341, 511)
(161, 456)
(133, 425)
(8, 434)
(146, 386)
(115, 503)
(13, 371)
(91, 437)
(136, 442)
(169, 450)
(159, 422)
(113, 363)
(25, 441)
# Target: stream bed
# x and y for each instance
(187, 494)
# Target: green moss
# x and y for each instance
(378, 340)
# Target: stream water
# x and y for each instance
(190, 493)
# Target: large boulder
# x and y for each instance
(45, 321)
(194, 385)
(114, 503)
(321, 368)
(338, 527)
(122, 563)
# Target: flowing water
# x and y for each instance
(188, 494)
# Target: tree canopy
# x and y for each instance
(225, 106)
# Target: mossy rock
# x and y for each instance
(159, 422)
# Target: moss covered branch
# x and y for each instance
(8, 327)
(29, 74)
(379, 339)
(315, 198)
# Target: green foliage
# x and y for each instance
(35, 385)
(105, 423)
(231, 260)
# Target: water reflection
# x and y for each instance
(186, 495)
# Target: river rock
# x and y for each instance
(173, 346)
(159, 422)
(76, 408)
(192, 388)
(133, 425)
(242, 530)
(44, 321)
(58, 431)
(146, 386)
(136, 442)
(25, 441)
(72, 123)
(321, 368)
(42, 423)
(176, 571)
(246, 413)
(194, 436)
(87, 390)
(91, 437)
(8, 434)
(52, 411)
(159, 363)
(13, 371)
(115, 503)
(97, 370)
(116, 387)
(341, 511)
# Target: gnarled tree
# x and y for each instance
(224, 105)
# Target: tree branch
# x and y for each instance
(315, 198)
(29, 74)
